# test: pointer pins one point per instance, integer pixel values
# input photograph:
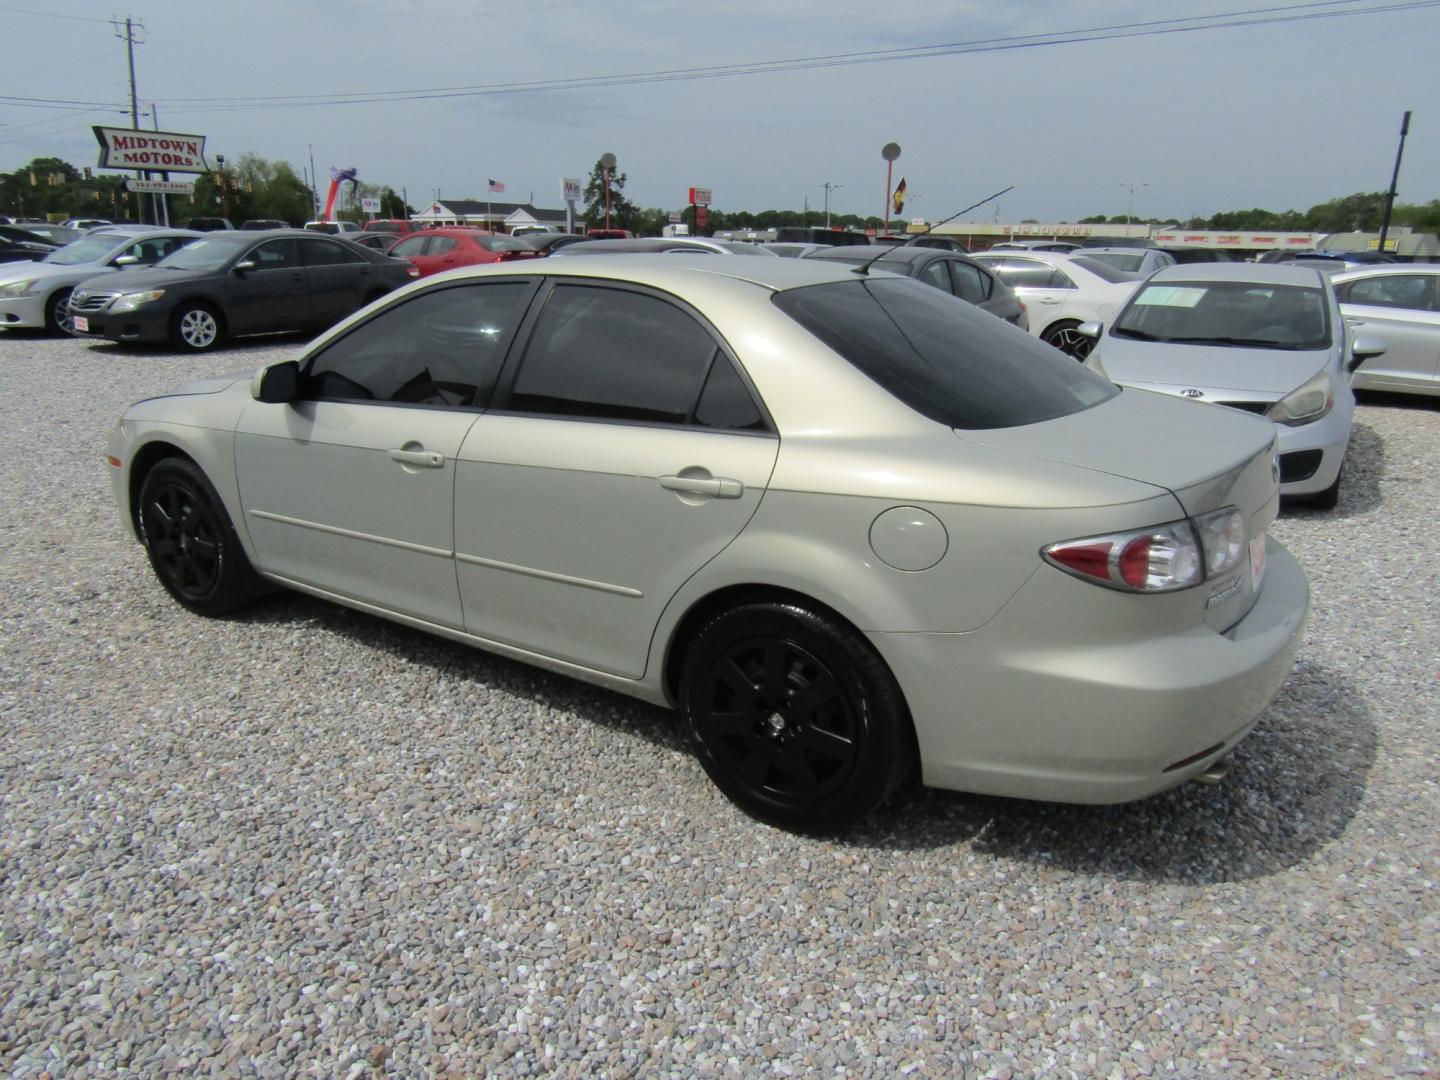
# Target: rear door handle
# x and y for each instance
(718, 487)
(425, 459)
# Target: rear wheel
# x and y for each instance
(1065, 337)
(191, 542)
(794, 716)
(57, 313)
(196, 327)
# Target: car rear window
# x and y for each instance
(946, 359)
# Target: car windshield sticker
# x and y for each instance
(1170, 296)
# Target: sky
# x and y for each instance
(1210, 117)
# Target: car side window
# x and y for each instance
(936, 274)
(1028, 273)
(328, 253)
(971, 283)
(442, 347)
(440, 245)
(612, 354)
(1058, 280)
(1413, 291)
(152, 249)
(410, 246)
(281, 254)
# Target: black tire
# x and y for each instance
(191, 542)
(57, 313)
(794, 716)
(196, 327)
(1064, 336)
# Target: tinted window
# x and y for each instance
(971, 283)
(946, 359)
(326, 253)
(152, 249)
(276, 255)
(935, 274)
(1414, 291)
(439, 348)
(613, 354)
(725, 401)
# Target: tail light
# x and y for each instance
(1162, 558)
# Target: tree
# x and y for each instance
(623, 213)
(1360, 212)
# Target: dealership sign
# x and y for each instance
(161, 187)
(127, 148)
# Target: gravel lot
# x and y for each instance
(309, 842)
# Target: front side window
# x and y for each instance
(442, 245)
(328, 253)
(442, 347)
(154, 248)
(948, 360)
(410, 246)
(612, 354)
(1413, 291)
(1237, 313)
(276, 255)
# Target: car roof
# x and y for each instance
(663, 270)
(1255, 273)
(857, 253)
(1111, 251)
(141, 230)
(1386, 270)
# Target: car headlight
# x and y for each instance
(17, 288)
(131, 300)
(1306, 403)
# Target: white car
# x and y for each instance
(846, 523)
(1142, 262)
(1401, 305)
(1059, 294)
(1262, 338)
(37, 294)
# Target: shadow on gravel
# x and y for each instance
(231, 348)
(1360, 486)
(1294, 786)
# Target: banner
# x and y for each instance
(126, 148)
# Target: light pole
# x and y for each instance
(829, 187)
(607, 166)
(890, 152)
(1130, 208)
(1394, 179)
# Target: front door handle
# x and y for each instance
(718, 487)
(425, 459)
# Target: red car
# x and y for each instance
(435, 250)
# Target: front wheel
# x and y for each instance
(794, 716)
(57, 313)
(1067, 338)
(191, 542)
(197, 328)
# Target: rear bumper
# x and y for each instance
(1033, 706)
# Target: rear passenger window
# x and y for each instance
(971, 283)
(725, 401)
(612, 354)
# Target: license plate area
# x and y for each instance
(82, 324)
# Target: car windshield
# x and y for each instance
(87, 249)
(1104, 270)
(1239, 313)
(945, 358)
(211, 253)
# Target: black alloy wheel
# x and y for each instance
(794, 716)
(192, 545)
(1065, 337)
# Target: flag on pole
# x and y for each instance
(900, 196)
(497, 187)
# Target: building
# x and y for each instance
(488, 214)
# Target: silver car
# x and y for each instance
(842, 550)
(1401, 305)
(37, 294)
(1267, 339)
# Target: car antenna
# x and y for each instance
(864, 269)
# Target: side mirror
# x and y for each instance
(1365, 348)
(127, 260)
(1090, 329)
(243, 265)
(277, 384)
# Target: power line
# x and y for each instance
(51, 15)
(1264, 16)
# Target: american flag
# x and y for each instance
(497, 187)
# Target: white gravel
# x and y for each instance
(305, 842)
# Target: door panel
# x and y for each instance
(355, 499)
(571, 537)
(1412, 339)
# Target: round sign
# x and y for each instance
(607, 161)
(891, 151)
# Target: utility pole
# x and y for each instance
(314, 184)
(1394, 179)
(1130, 209)
(129, 37)
(829, 187)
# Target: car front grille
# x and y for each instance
(88, 302)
